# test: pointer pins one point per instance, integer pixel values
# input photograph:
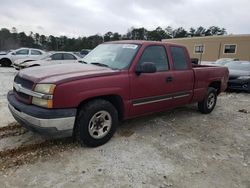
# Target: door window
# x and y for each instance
(36, 52)
(156, 55)
(68, 56)
(179, 58)
(22, 52)
(58, 56)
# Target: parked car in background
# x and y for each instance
(239, 75)
(223, 61)
(78, 54)
(84, 52)
(50, 58)
(8, 59)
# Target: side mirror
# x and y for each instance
(146, 67)
(49, 59)
(195, 61)
(13, 53)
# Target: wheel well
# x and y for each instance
(216, 85)
(5, 59)
(116, 100)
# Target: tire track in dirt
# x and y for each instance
(30, 153)
(33, 152)
(13, 129)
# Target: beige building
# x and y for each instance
(211, 48)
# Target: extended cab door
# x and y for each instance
(183, 75)
(150, 92)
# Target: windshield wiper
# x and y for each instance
(99, 64)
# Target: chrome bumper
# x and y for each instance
(48, 127)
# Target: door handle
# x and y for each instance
(169, 79)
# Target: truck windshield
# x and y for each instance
(115, 56)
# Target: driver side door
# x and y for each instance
(150, 91)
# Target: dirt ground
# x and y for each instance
(176, 148)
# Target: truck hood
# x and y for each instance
(64, 72)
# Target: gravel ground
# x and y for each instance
(176, 148)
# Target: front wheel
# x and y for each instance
(97, 121)
(207, 105)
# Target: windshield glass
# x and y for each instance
(115, 56)
(240, 65)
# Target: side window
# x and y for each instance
(199, 49)
(157, 55)
(68, 56)
(36, 52)
(230, 49)
(57, 56)
(22, 52)
(179, 58)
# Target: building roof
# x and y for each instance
(213, 36)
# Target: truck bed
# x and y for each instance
(204, 75)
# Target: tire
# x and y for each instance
(97, 122)
(5, 63)
(207, 105)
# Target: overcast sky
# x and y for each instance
(87, 17)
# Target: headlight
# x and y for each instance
(244, 77)
(42, 102)
(45, 88)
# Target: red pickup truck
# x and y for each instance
(116, 81)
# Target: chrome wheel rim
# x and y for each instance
(100, 124)
(210, 100)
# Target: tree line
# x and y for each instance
(12, 39)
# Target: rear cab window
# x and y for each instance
(179, 58)
(155, 54)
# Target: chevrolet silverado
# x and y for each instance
(116, 81)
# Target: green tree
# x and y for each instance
(180, 33)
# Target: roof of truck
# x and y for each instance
(140, 42)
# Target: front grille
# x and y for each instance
(22, 95)
(26, 84)
(23, 82)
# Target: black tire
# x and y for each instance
(5, 62)
(207, 105)
(85, 120)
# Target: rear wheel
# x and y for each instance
(5, 63)
(207, 105)
(97, 121)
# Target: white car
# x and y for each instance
(50, 58)
(8, 59)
